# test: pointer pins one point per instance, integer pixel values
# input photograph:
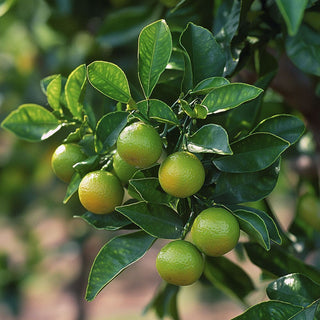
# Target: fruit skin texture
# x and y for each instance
(139, 145)
(215, 231)
(123, 170)
(100, 192)
(63, 159)
(308, 210)
(181, 174)
(180, 263)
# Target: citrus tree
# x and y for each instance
(189, 150)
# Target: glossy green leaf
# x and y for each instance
(72, 187)
(110, 221)
(271, 310)
(205, 54)
(294, 288)
(44, 83)
(185, 106)
(158, 220)
(230, 96)
(74, 91)
(115, 256)
(157, 110)
(165, 302)
(270, 224)
(228, 277)
(254, 226)
(285, 126)
(89, 164)
(110, 80)
(311, 312)
(154, 51)
(201, 111)
(292, 13)
(108, 129)
(304, 50)
(207, 85)
(210, 138)
(280, 262)
(252, 153)
(53, 92)
(234, 188)
(31, 122)
(149, 190)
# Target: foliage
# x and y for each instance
(186, 85)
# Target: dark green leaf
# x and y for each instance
(294, 288)
(233, 188)
(157, 110)
(31, 122)
(108, 129)
(110, 221)
(254, 226)
(207, 85)
(292, 13)
(311, 312)
(149, 190)
(110, 80)
(304, 50)
(154, 51)
(158, 220)
(252, 153)
(53, 93)
(270, 224)
(210, 138)
(165, 302)
(72, 187)
(285, 126)
(271, 310)
(119, 253)
(230, 96)
(205, 54)
(89, 164)
(228, 277)
(74, 91)
(279, 261)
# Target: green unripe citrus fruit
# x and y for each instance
(180, 263)
(64, 158)
(100, 192)
(181, 174)
(122, 169)
(139, 145)
(215, 231)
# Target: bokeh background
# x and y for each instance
(46, 253)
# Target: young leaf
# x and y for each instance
(108, 130)
(206, 56)
(271, 310)
(110, 80)
(294, 288)
(115, 256)
(157, 110)
(207, 85)
(233, 188)
(210, 138)
(44, 83)
(285, 126)
(110, 221)
(74, 91)
(292, 12)
(254, 226)
(154, 51)
(158, 220)
(53, 93)
(252, 153)
(229, 96)
(227, 276)
(32, 122)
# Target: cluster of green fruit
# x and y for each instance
(214, 232)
